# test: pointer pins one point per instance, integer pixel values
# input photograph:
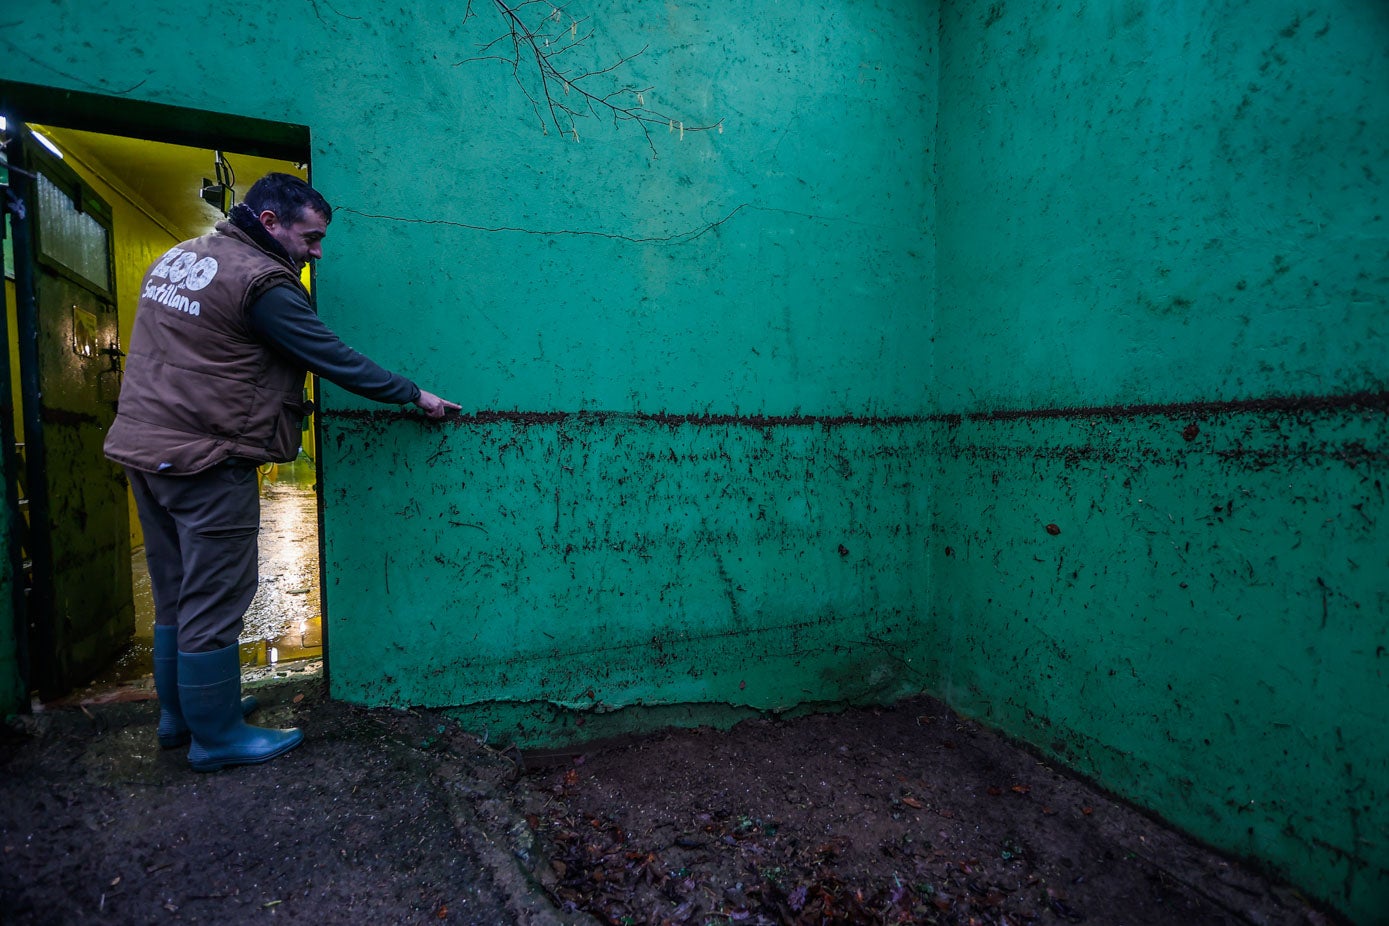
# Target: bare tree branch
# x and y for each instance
(561, 92)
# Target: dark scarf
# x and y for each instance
(244, 218)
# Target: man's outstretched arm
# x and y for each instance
(285, 321)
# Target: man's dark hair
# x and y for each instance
(286, 196)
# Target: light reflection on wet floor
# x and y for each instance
(284, 621)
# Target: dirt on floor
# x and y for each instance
(900, 815)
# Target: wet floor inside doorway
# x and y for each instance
(284, 622)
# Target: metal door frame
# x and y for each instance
(17, 194)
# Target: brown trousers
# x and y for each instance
(201, 534)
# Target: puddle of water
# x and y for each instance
(285, 621)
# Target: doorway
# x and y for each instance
(145, 194)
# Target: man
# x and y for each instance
(224, 334)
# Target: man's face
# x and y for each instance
(303, 238)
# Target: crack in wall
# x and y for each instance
(684, 237)
(319, 15)
(64, 74)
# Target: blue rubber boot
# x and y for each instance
(209, 690)
(173, 731)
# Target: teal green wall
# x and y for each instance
(1154, 202)
(778, 273)
(604, 560)
(580, 543)
(1163, 295)
(780, 417)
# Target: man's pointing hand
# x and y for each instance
(436, 407)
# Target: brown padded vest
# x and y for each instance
(199, 387)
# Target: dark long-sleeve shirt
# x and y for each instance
(283, 318)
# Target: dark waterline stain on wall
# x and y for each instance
(1363, 401)
(664, 419)
(1368, 401)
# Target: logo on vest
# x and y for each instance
(184, 271)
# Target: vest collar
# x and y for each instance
(243, 219)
